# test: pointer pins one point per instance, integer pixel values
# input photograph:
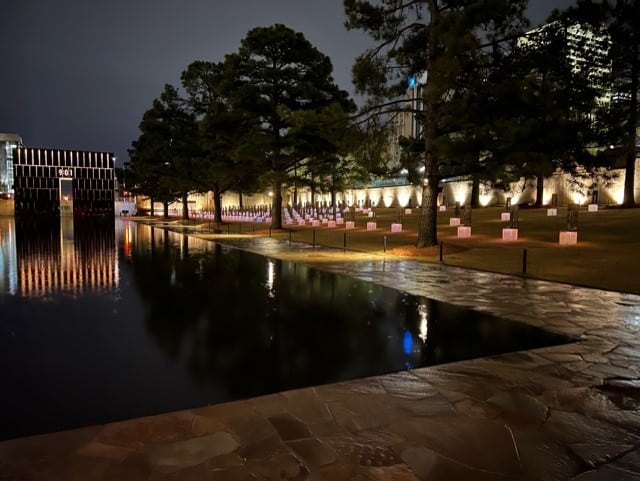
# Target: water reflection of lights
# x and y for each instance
(200, 269)
(407, 348)
(65, 261)
(271, 270)
(423, 328)
(631, 318)
(410, 347)
(407, 343)
(127, 240)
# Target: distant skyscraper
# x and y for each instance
(407, 122)
(8, 142)
(587, 50)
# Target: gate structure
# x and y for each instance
(63, 182)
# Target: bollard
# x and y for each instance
(384, 243)
(270, 231)
(253, 228)
(441, 245)
(524, 261)
(289, 238)
(313, 242)
(344, 240)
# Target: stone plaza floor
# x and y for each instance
(569, 412)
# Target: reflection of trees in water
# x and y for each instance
(251, 325)
(241, 328)
(453, 333)
(169, 285)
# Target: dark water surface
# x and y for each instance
(100, 323)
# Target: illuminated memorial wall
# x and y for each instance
(49, 181)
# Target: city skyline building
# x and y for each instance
(407, 122)
(586, 48)
(8, 142)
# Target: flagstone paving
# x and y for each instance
(569, 412)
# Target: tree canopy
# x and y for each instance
(162, 157)
(498, 103)
(254, 119)
(549, 111)
(493, 103)
(443, 39)
(222, 131)
(277, 74)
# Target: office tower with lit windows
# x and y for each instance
(586, 49)
(408, 121)
(8, 142)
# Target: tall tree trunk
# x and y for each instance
(539, 191)
(630, 167)
(165, 206)
(276, 206)
(217, 205)
(475, 192)
(185, 206)
(427, 225)
(152, 210)
(184, 253)
(333, 200)
(240, 202)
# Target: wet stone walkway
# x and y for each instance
(569, 412)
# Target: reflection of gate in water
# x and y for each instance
(60, 255)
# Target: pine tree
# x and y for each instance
(441, 38)
(275, 74)
(221, 133)
(160, 156)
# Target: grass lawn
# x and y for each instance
(606, 256)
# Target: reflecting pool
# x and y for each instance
(102, 322)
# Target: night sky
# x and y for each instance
(79, 74)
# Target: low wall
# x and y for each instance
(523, 192)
